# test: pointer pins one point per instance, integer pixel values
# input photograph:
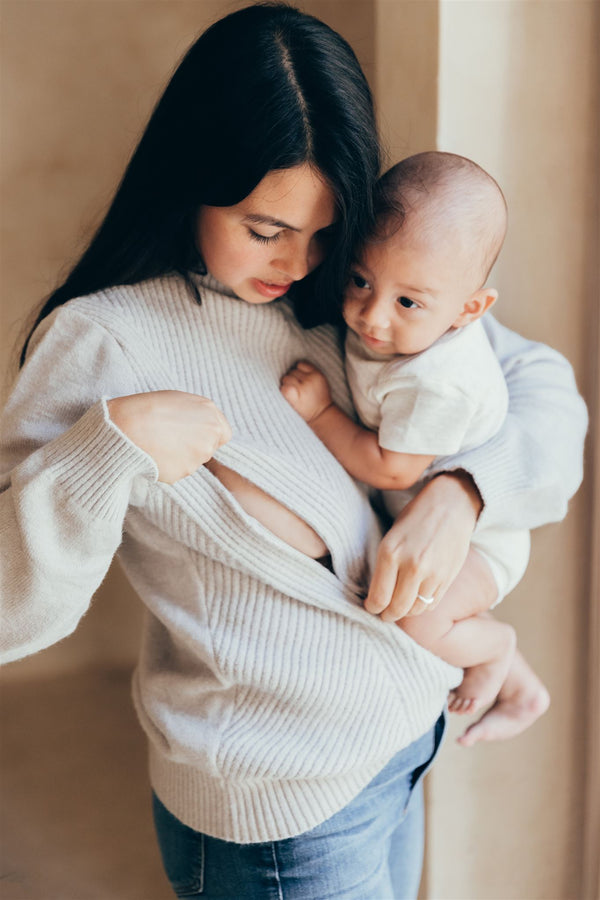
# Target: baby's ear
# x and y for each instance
(477, 304)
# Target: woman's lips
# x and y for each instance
(268, 289)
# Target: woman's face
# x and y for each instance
(275, 236)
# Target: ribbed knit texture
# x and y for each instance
(269, 696)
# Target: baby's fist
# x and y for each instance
(306, 389)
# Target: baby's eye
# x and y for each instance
(407, 303)
(358, 281)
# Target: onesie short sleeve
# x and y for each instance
(435, 403)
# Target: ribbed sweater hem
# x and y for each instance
(258, 810)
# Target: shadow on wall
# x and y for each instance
(76, 811)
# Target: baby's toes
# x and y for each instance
(460, 705)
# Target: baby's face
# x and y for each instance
(404, 293)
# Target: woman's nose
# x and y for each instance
(297, 263)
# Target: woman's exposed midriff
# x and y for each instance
(270, 512)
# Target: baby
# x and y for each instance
(426, 383)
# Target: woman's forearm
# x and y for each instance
(66, 478)
(527, 473)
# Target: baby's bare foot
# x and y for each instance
(480, 685)
(522, 699)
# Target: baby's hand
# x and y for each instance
(306, 389)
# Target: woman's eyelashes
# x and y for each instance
(264, 238)
(324, 237)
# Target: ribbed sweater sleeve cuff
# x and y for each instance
(499, 477)
(96, 463)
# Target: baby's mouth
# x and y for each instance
(372, 341)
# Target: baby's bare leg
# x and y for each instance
(457, 633)
(521, 699)
(462, 632)
(479, 644)
(465, 597)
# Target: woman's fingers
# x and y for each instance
(180, 431)
(428, 597)
(411, 598)
(423, 551)
(214, 429)
(406, 580)
(406, 596)
(383, 582)
(402, 600)
(394, 584)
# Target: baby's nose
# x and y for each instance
(375, 314)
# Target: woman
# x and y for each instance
(288, 728)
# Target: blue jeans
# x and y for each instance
(370, 850)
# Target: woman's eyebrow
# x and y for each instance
(269, 220)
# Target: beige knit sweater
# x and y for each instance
(269, 696)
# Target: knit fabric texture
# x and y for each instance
(270, 697)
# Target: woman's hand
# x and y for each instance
(425, 548)
(179, 431)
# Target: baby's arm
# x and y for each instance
(356, 448)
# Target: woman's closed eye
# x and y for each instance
(264, 238)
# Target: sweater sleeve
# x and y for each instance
(66, 478)
(529, 470)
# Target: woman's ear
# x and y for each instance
(477, 304)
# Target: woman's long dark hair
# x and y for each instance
(267, 87)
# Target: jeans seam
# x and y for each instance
(279, 890)
(438, 736)
(202, 864)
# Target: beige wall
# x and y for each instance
(512, 86)
(406, 75)
(518, 92)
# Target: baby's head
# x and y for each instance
(441, 221)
